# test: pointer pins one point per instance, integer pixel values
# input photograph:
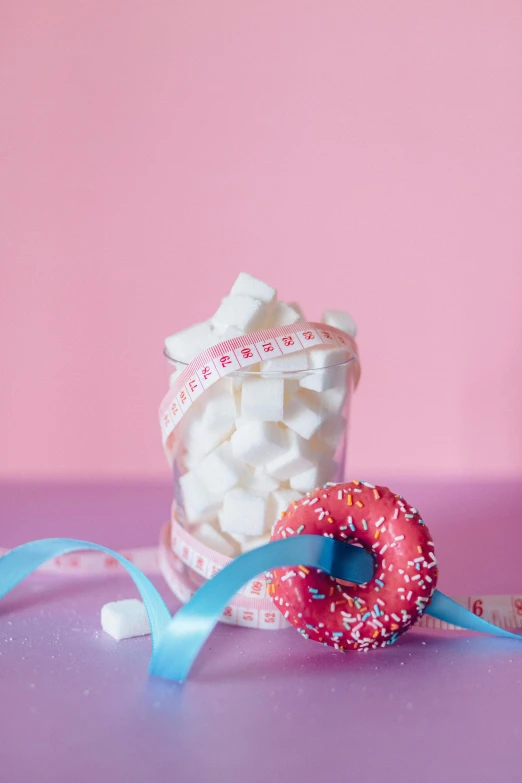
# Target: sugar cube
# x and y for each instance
(302, 414)
(220, 334)
(342, 320)
(297, 307)
(246, 285)
(243, 312)
(258, 442)
(203, 436)
(290, 362)
(220, 404)
(125, 619)
(243, 512)
(280, 501)
(198, 502)
(184, 346)
(332, 400)
(219, 471)
(253, 542)
(331, 431)
(327, 368)
(259, 482)
(263, 398)
(208, 535)
(316, 476)
(283, 314)
(295, 459)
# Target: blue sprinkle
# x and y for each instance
(311, 626)
(318, 596)
(421, 522)
(376, 610)
(313, 590)
(300, 529)
(337, 633)
(366, 616)
(379, 582)
(417, 566)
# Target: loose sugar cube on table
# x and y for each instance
(328, 366)
(246, 285)
(125, 619)
(296, 458)
(280, 501)
(208, 535)
(342, 320)
(243, 512)
(258, 442)
(186, 345)
(219, 471)
(302, 414)
(243, 312)
(263, 398)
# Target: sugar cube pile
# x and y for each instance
(258, 439)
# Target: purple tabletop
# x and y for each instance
(264, 706)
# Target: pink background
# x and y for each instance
(358, 155)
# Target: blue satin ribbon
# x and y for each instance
(176, 641)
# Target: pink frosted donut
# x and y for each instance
(374, 614)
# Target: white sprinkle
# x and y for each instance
(332, 607)
(286, 615)
(399, 538)
(418, 560)
(340, 495)
(396, 618)
(289, 575)
(428, 578)
(406, 578)
(379, 522)
(396, 515)
(390, 567)
(290, 530)
(315, 500)
(401, 590)
(415, 578)
(383, 550)
(409, 595)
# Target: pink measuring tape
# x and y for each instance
(239, 354)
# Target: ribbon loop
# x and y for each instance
(177, 641)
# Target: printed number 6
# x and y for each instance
(477, 608)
